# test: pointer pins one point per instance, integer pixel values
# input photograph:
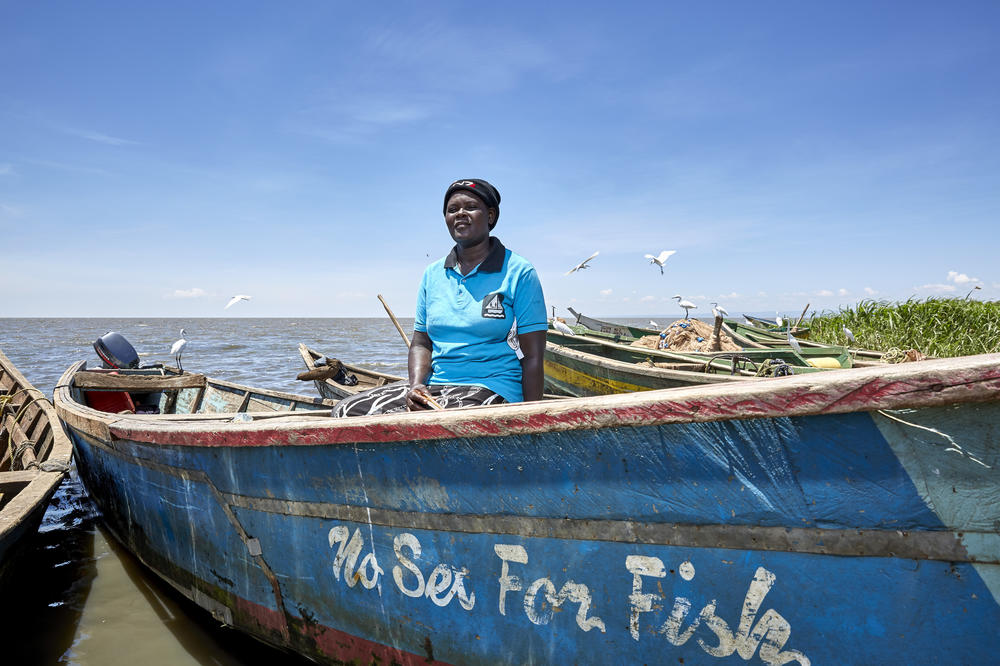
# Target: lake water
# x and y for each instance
(79, 598)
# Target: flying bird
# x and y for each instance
(561, 326)
(849, 334)
(687, 305)
(583, 264)
(661, 259)
(718, 310)
(177, 349)
(236, 299)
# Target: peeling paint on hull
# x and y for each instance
(812, 538)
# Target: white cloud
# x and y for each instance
(936, 288)
(100, 138)
(824, 292)
(647, 299)
(960, 278)
(6, 169)
(194, 292)
(605, 292)
(730, 297)
(842, 292)
(870, 291)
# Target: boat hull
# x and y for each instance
(34, 458)
(634, 534)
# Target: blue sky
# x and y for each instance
(156, 160)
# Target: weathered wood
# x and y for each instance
(17, 439)
(332, 390)
(37, 421)
(137, 383)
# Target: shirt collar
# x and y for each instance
(493, 263)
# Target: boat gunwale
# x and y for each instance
(665, 373)
(41, 484)
(929, 383)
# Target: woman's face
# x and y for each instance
(468, 218)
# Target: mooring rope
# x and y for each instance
(5, 401)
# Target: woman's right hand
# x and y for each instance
(416, 398)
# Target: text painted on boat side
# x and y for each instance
(547, 600)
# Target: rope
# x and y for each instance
(5, 400)
(774, 367)
(19, 451)
(893, 355)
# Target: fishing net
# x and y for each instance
(687, 335)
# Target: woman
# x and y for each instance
(479, 331)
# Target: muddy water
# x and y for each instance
(77, 597)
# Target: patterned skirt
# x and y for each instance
(392, 398)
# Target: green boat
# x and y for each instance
(809, 359)
(583, 366)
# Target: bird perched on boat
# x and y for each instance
(653, 324)
(561, 326)
(849, 334)
(687, 305)
(660, 259)
(583, 264)
(177, 349)
(236, 299)
(793, 343)
(718, 310)
(778, 320)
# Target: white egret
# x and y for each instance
(653, 324)
(660, 259)
(849, 334)
(794, 344)
(236, 299)
(561, 326)
(177, 349)
(583, 264)
(687, 305)
(718, 310)
(778, 320)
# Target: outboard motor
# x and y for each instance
(116, 351)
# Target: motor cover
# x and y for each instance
(115, 351)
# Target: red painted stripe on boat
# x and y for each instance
(331, 642)
(866, 390)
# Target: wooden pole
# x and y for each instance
(801, 316)
(717, 334)
(393, 318)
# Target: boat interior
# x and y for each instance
(164, 390)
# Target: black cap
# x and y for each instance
(481, 188)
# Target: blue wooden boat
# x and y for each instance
(839, 517)
(34, 457)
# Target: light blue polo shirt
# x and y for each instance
(469, 318)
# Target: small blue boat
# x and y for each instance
(840, 517)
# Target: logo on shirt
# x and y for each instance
(493, 307)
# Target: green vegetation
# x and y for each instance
(935, 326)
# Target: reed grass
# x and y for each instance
(935, 326)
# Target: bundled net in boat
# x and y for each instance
(687, 335)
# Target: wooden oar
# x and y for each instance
(796, 327)
(430, 401)
(399, 328)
